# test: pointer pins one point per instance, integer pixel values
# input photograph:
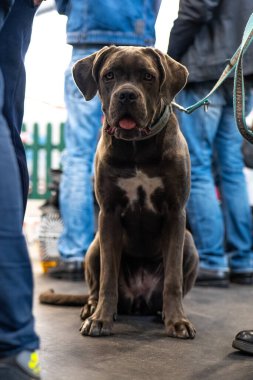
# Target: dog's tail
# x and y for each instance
(51, 298)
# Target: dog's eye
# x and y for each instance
(148, 76)
(109, 76)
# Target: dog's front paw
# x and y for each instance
(96, 327)
(181, 328)
(88, 309)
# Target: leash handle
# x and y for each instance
(239, 93)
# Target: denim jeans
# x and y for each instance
(16, 282)
(76, 191)
(222, 232)
(14, 42)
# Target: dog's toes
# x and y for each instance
(183, 330)
(106, 329)
(100, 329)
(85, 327)
(87, 311)
(82, 313)
(191, 330)
(95, 328)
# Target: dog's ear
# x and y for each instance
(173, 75)
(85, 71)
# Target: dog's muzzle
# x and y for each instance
(129, 131)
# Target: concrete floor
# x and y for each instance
(139, 348)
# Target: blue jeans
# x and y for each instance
(16, 282)
(76, 195)
(222, 232)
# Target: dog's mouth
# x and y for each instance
(127, 123)
(127, 129)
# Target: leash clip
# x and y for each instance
(206, 105)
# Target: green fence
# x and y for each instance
(40, 148)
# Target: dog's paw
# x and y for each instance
(92, 327)
(182, 328)
(88, 310)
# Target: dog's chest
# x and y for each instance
(140, 190)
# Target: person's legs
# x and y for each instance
(16, 284)
(14, 41)
(18, 339)
(235, 202)
(76, 195)
(203, 208)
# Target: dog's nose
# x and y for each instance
(127, 96)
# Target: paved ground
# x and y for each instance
(139, 349)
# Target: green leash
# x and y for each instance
(239, 94)
(235, 63)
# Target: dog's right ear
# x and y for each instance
(82, 74)
(85, 71)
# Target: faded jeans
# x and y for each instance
(76, 195)
(16, 281)
(222, 232)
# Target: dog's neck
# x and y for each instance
(159, 124)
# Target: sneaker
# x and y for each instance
(23, 366)
(213, 278)
(68, 270)
(241, 278)
(244, 341)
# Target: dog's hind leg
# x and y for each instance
(92, 274)
(190, 263)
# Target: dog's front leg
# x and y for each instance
(110, 235)
(176, 323)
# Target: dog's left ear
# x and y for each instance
(173, 75)
(85, 72)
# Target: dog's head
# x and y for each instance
(134, 84)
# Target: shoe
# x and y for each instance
(68, 270)
(216, 278)
(23, 366)
(244, 341)
(242, 278)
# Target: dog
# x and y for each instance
(142, 259)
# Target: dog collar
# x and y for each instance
(151, 130)
(154, 129)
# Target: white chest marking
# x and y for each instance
(140, 180)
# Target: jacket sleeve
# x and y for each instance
(62, 6)
(192, 15)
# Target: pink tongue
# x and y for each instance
(127, 124)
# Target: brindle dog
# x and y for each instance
(142, 259)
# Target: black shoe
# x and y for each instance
(68, 270)
(216, 278)
(244, 341)
(242, 278)
(23, 366)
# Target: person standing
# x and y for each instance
(204, 37)
(18, 339)
(90, 26)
